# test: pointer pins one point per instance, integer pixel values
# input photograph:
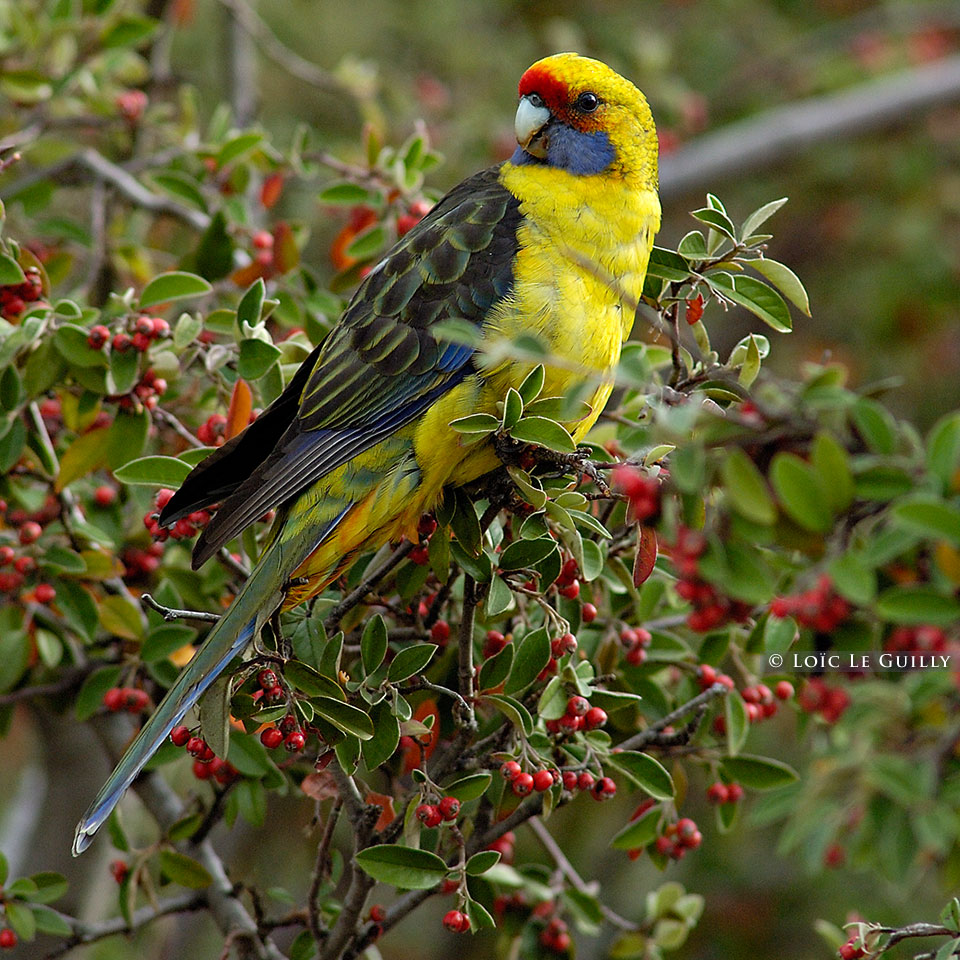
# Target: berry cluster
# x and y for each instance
(14, 297)
(28, 528)
(579, 715)
(433, 814)
(420, 553)
(817, 697)
(710, 609)
(522, 783)
(677, 838)
(820, 608)
(415, 213)
(137, 334)
(916, 640)
(635, 640)
(555, 936)
(504, 846)
(212, 432)
(567, 583)
(186, 527)
(130, 699)
(642, 492)
(494, 642)
(720, 792)
(141, 563)
(287, 731)
(206, 763)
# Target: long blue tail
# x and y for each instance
(257, 599)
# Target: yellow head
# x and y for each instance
(578, 115)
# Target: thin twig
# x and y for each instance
(652, 732)
(568, 870)
(319, 872)
(172, 613)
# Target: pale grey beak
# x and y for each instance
(529, 124)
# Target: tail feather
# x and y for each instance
(256, 601)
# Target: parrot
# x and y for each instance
(359, 445)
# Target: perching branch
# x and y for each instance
(650, 735)
(172, 613)
(779, 134)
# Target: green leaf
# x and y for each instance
(532, 384)
(476, 423)
(779, 634)
(180, 185)
(760, 216)
(525, 553)
(214, 254)
(184, 870)
(469, 788)
(716, 220)
(495, 670)
(499, 597)
(309, 681)
(544, 433)
(153, 471)
(373, 644)
(344, 717)
(51, 923)
(50, 886)
(875, 424)
(801, 494)
(250, 307)
(785, 280)
(4, 869)
(10, 272)
(70, 341)
(386, 736)
(761, 300)
(256, 358)
(349, 194)
(94, 687)
(129, 31)
(120, 617)
(238, 146)
(410, 660)
(20, 917)
(738, 726)
(693, 246)
(126, 437)
(481, 862)
(746, 489)
(943, 448)
(758, 773)
(646, 772)
(667, 265)
(173, 286)
(185, 827)
(930, 517)
(531, 655)
(513, 710)
(402, 867)
(853, 578)
(215, 716)
(512, 409)
(642, 831)
(918, 605)
(832, 464)
(364, 245)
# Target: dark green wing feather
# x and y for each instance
(382, 364)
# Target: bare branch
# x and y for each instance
(652, 732)
(171, 613)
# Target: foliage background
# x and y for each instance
(873, 228)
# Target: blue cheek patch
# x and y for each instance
(573, 150)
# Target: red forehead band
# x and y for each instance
(555, 92)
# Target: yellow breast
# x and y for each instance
(578, 233)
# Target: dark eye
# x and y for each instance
(535, 99)
(587, 102)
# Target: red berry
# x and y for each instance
(131, 104)
(196, 746)
(114, 699)
(420, 556)
(104, 496)
(431, 816)
(180, 735)
(271, 738)
(160, 329)
(449, 808)
(588, 613)
(569, 780)
(201, 770)
(566, 644)
(24, 564)
(267, 679)
(784, 690)
(426, 525)
(262, 240)
(510, 770)
(121, 342)
(542, 780)
(664, 845)
(119, 870)
(577, 706)
(522, 784)
(274, 694)
(572, 591)
(594, 717)
(734, 793)
(377, 913)
(636, 655)
(604, 789)
(136, 700)
(8, 939)
(727, 681)
(97, 337)
(294, 742)
(30, 532)
(7, 555)
(718, 792)
(585, 780)
(686, 828)
(440, 632)
(44, 593)
(706, 675)
(456, 922)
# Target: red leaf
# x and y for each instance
(319, 786)
(411, 755)
(387, 815)
(285, 253)
(646, 554)
(271, 190)
(241, 406)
